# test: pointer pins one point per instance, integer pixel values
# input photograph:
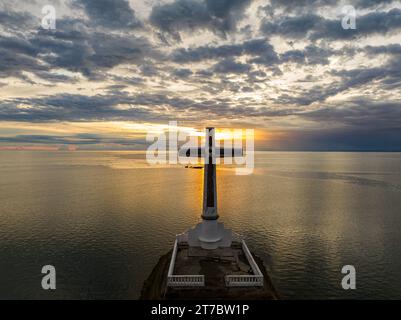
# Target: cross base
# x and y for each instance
(209, 234)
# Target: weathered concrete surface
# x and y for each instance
(214, 264)
(154, 288)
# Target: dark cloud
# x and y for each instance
(204, 73)
(231, 66)
(317, 55)
(259, 48)
(120, 105)
(12, 64)
(77, 139)
(318, 93)
(364, 125)
(360, 76)
(149, 70)
(116, 88)
(304, 6)
(372, 3)
(296, 56)
(387, 76)
(360, 113)
(182, 73)
(259, 51)
(247, 89)
(72, 46)
(359, 124)
(316, 27)
(377, 22)
(93, 108)
(219, 16)
(90, 51)
(127, 81)
(340, 139)
(291, 4)
(295, 27)
(110, 13)
(393, 50)
(20, 55)
(16, 21)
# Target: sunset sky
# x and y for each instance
(114, 69)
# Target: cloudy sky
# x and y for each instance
(114, 69)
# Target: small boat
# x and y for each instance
(194, 167)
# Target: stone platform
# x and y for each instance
(214, 265)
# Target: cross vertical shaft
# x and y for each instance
(209, 178)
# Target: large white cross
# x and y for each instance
(209, 234)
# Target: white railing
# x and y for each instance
(244, 281)
(186, 281)
(254, 266)
(182, 237)
(172, 261)
(175, 280)
(256, 279)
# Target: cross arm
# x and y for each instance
(220, 152)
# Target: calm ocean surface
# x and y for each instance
(104, 218)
